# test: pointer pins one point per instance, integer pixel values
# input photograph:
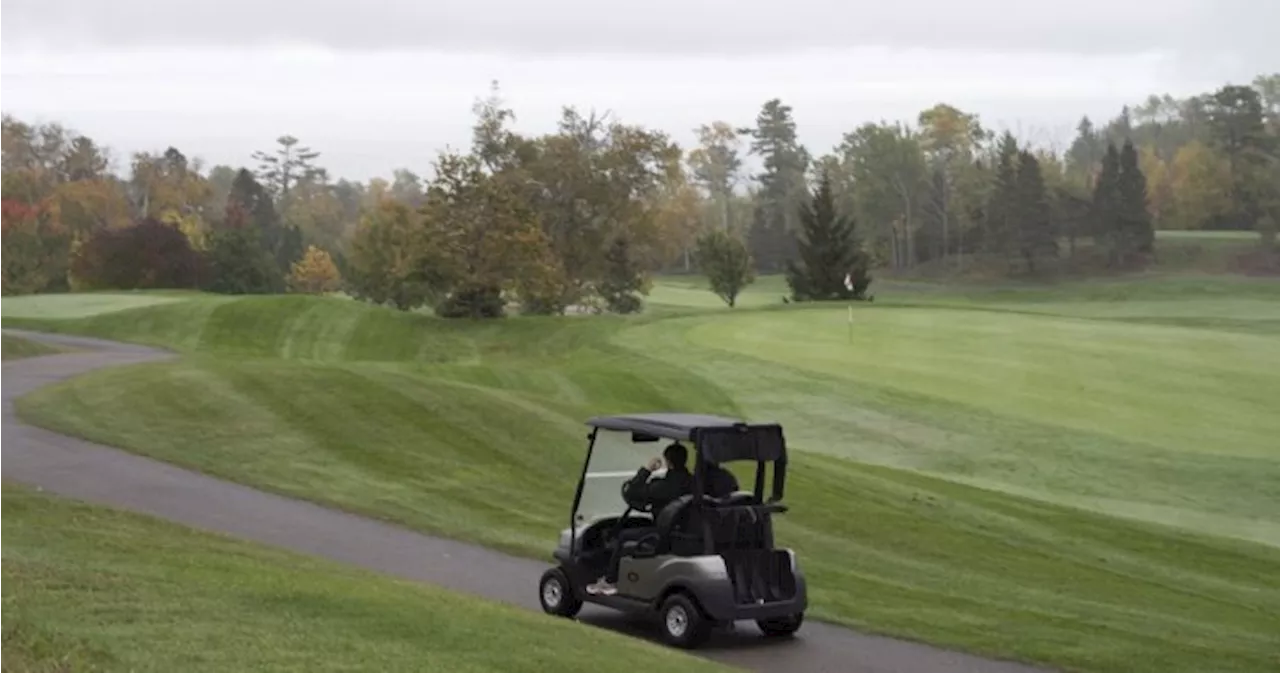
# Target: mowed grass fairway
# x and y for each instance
(93, 589)
(17, 348)
(1085, 476)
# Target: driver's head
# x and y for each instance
(676, 455)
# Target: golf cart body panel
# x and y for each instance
(708, 552)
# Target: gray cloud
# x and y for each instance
(1244, 28)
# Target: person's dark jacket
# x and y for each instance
(720, 482)
(661, 491)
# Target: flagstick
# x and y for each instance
(848, 283)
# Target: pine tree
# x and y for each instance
(1106, 203)
(1033, 215)
(1135, 234)
(1000, 237)
(828, 252)
(253, 204)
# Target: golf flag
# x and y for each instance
(848, 283)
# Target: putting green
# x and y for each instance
(1173, 388)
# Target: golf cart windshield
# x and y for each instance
(615, 458)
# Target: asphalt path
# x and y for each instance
(98, 474)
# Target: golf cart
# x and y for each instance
(702, 561)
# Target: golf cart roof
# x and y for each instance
(664, 425)
(721, 438)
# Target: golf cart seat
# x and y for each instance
(669, 525)
(729, 521)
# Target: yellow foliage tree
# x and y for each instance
(315, 273)
(1159, 186)
(1201, 185)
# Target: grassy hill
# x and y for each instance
(94, 589)
(16, 348)
(1083, 476)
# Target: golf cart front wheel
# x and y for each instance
(779, 627)
(682, 622)
(556, 594)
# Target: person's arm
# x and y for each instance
(637, 489)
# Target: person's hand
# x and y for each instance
(654, 465)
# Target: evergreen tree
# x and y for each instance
(828, 252)
(282, 242)
(1134, 232)
(624, 280)
(238, 261)
(1106, 203)
(1033, 215)
(782, 184)
(1001, 237)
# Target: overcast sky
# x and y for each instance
(379, 84)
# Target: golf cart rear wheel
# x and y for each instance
(780, 627)
(682, 622)
(556, 594)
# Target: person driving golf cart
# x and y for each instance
(658, 493)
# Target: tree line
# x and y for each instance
(579, 218)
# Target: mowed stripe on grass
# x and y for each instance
(484, 446)
(94, 589)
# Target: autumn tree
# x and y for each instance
(87, 206)
(83, 160)
(170, 188)
(35, 248)
(828, 252)
(716, 164)
(1200, 187)
(950, 140)
(147, 255)
(406, 187)
(480, 238)
(889, 177)
(315, 273)
(592, 183)
(1159, 186)
(725, 260)
(1237, 121)
(386, 262)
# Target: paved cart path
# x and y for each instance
(103, 475)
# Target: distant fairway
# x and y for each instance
(81, 305)
(1137, 403)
